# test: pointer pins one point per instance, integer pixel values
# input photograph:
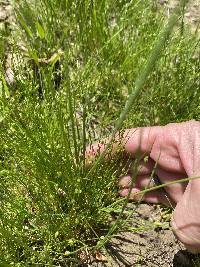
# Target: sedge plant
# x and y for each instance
(74, 65)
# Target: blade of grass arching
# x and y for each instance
(156, 187)
(168, 184)
(140, 81)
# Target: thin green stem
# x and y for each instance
(155, 188)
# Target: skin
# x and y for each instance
(176, 149)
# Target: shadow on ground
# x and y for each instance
(152, 247)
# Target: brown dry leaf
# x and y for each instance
(100, 257)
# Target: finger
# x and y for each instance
(185, 220)
(155, 197)
(190, 241)
(140, 139)
(142, 182)
(144, 167)
(130, 141)
(176, 190)
(125, 181)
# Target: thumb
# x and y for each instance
(186, 218)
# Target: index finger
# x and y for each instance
(130, 141)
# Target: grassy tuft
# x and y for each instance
(75, 64)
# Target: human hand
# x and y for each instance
(176, 149)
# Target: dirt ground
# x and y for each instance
(155, 246)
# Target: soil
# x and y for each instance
(155, 246)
